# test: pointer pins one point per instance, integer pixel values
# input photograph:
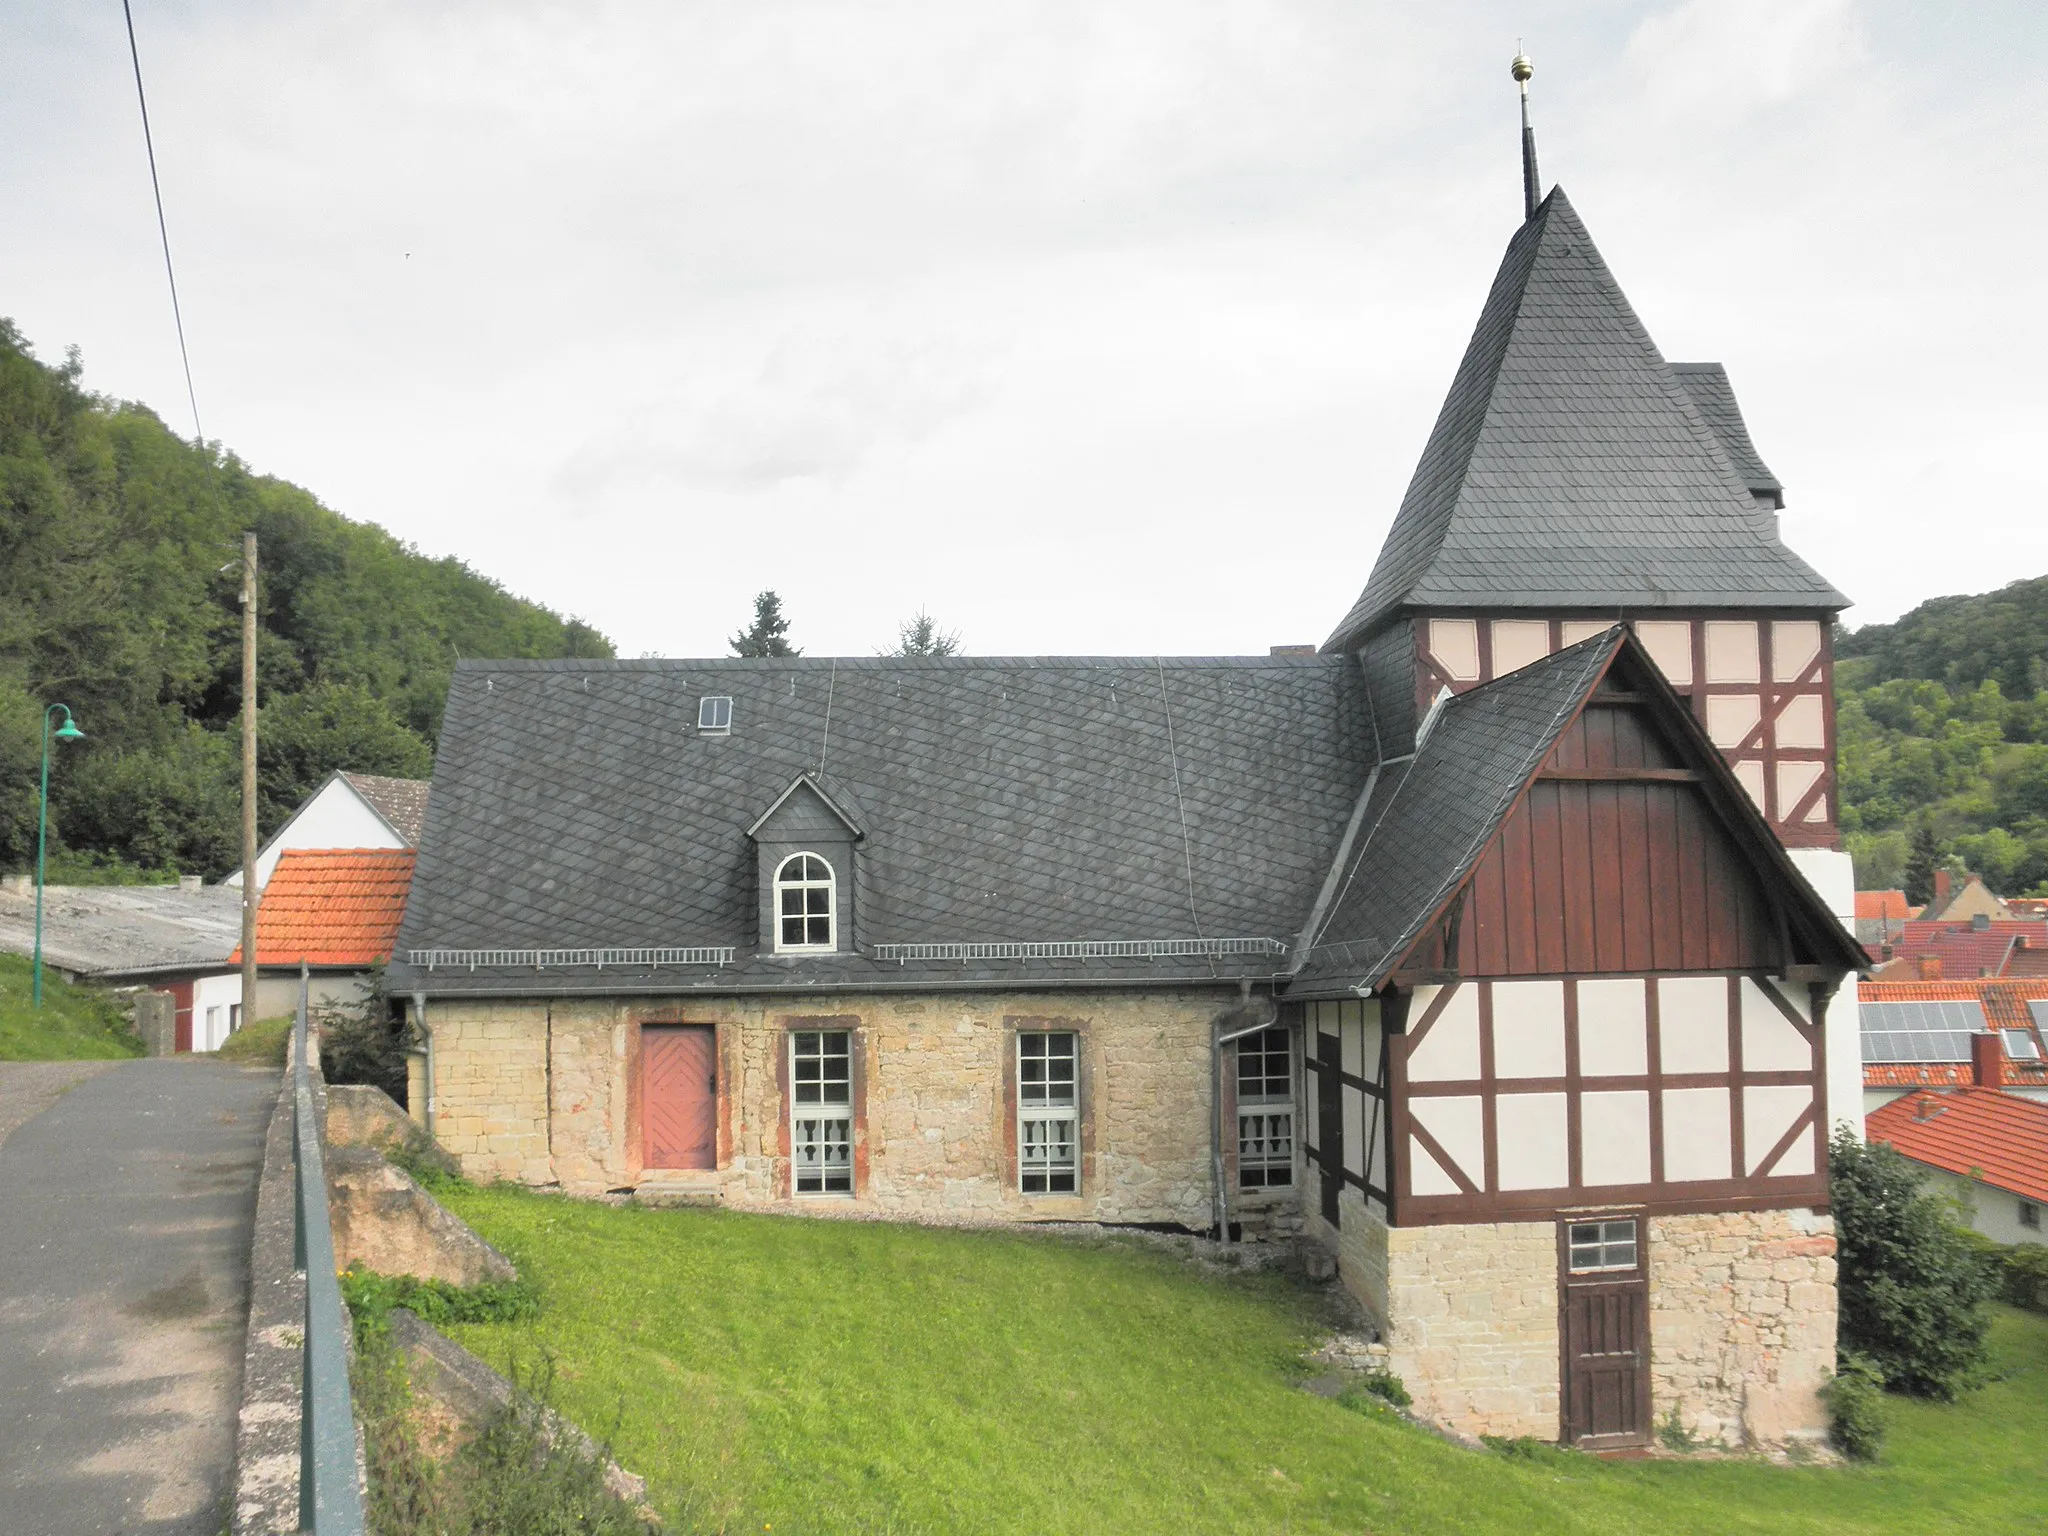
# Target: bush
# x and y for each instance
(372, 1297)
(1912, 1286)
(359, 1044)
(2025, 1276)
(1855, 1400)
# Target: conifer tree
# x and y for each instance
(765, 637)
(1921, 864)
(923, 637)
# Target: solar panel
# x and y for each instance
(1919, 1031)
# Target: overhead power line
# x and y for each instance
(162, 228)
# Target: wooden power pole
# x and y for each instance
(249, 892)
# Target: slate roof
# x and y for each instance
(401, 802)
(332, 907)
(1998, 1138)
(1706, 384)
(125, 930)
(1571, 467)
(1031, 800)
(1431, 817)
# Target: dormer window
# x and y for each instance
(714, 714)
(804, 917)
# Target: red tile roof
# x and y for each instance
(1883, 904)
(2004, 1000)
(332, 906)
(1999, 1138)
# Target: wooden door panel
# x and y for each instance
(679, 1096)
(1605, 1349)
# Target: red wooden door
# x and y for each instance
(679, 1097)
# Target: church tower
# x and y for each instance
(1575, 478)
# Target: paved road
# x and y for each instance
(125, 1215)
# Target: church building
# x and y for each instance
(1497, 950)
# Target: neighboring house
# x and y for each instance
(1962, 900)
(1986, 1148)
(1470, 946)
(1881, 916)
(350, 810)
(1966, 950)
(334, 910)
(166, 938)
(1926, 1034)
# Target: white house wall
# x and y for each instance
(1833, 875)
(336, 817)
(214, 999)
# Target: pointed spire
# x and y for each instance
(1522, 69)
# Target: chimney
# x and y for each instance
(1944, 882)
(1930, 967)
(1987, 1053)
(1291, 650)
(190, 884)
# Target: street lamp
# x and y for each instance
(68, 731)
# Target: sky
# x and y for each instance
(1099, 328)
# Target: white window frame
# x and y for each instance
(821, 1125)
(1266, 1121)
(714, 714)
(2030, 1214)
(1048, 1115)
(806, 884)
(1592, 1246)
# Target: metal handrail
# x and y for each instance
(330, 1501)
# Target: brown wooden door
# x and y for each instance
(1606, 1343)
(679, 1098)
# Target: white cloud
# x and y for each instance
(1086, 327)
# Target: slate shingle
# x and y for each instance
(1570, 466)
(1431, 817)
(577, 805)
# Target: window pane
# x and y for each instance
(1265, 1150)
(817, 901)
(792, 930)
(792, 902)
(1598, 1245)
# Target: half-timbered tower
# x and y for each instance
(1575, 478)
(1564, 1023)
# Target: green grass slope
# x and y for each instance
(74, 1023)
(833, 1377)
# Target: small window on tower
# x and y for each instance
(714, 714)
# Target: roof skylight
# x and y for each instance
(714, 714)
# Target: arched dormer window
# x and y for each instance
(804, 916)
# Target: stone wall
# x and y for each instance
(547, 1094)
(1742, 1323)
(1472, 1324)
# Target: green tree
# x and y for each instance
(306, 736)
(1911, 1284)
(765, 636)
(1921, 862)
(923, 637)
(113, 535)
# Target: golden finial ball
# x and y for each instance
(1522, 69)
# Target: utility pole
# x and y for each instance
(248, 779)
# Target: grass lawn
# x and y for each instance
(74, 1024)
(827, 1377)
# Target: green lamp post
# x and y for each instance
(68, 731)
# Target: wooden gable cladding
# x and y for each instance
(1520, 1100)
(1613, 861)
(1761, 683)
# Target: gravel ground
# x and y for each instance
(27, 1088)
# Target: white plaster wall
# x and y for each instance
(1833, 874)
(334, 818)
(213, 999)
(1993, 1212)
